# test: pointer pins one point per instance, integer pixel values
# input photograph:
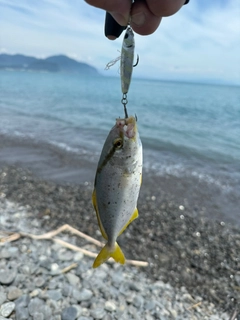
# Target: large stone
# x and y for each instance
(7, 308)
(7, 275)
(39, 281)
(38, 316)
(69, 313)
(65, 255)
(3, 297)
(35, 305)
(14, 293)
(22, 313)
(54, 294)
(110, 306)
(98, 313)
(84, 295)
(67, 290)
(5, 254)
(46, 311)
(73, 279)
(138, 301)
(22, 301)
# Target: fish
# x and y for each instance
(117, 185)
(127, 57)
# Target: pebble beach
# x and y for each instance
(193, 267)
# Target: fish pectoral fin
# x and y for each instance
(106, 253)
(94, 201)
(133, 217)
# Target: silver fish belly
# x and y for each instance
(117, 186)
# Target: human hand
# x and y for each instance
(145, 15)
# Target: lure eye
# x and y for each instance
(118, 143)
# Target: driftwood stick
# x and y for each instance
(72, 266)
(195, 305)
(137, 263)
(75, 248)
(234, 315)
(10, 238)
(83, 235)
(50, 236)
(65, 227)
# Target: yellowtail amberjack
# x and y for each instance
(117, 184)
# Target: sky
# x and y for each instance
(199, 43)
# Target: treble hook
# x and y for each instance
(125, 111)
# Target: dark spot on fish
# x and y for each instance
(126, 36)
(109, 202)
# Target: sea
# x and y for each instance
(190, 132)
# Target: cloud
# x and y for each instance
(206, 41)
(200, 41)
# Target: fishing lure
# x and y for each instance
(126, 65)
(127, 58)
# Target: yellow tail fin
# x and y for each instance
(105, 254)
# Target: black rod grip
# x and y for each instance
(112, 28)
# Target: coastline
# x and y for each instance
(204, 195)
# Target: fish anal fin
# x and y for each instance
(133, 217)
(106, 253)
(94, 201)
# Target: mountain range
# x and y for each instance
(58, 63)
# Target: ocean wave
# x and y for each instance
(169, 164)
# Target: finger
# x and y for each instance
(119, 9)
(163, 8)
(143, 21)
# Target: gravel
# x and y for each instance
(193, 273)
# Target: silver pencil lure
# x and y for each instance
(127, 57)
(126, 64)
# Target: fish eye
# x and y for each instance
(126, 36)
(118, 143)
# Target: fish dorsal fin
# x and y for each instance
(94, 201)
(133, 217)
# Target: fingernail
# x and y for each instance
(111, 37)
(123, 21)
(138, 19)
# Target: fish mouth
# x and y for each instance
(127, 126)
